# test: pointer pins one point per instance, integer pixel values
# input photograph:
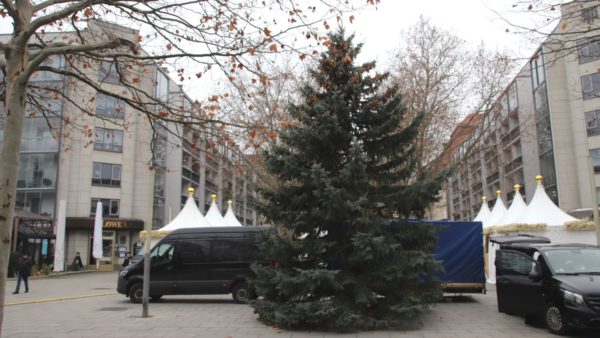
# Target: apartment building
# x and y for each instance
(545, 122)
(140, 170)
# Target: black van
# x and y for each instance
(213, 260)
(559, 283)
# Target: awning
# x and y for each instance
(35, 230)
(107, 224)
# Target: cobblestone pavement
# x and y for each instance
(86, 305)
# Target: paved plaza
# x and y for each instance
(86, 305)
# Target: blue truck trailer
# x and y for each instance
(460, 250)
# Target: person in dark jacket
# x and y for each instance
(127, 259)
(22, 270)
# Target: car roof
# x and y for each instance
(548, 247)
(518, 238)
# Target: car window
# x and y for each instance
(233, 250)
(194, 251)
(585, 260)
(162, 253)
(514, 263)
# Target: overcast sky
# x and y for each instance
(472, 20)
(380, 28)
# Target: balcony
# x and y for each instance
(492, 178)
(514, 164)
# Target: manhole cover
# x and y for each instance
(113, 309)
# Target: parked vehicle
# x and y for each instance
(558, 283)
(460, 250)
(192, 261)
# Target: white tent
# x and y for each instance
(213, 216)
(484, 211)
(188, 217)
(498, 212)
(230, 218)
(541, 209)
(516, 209)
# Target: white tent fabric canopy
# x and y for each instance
(516, 209)
(188, 217)
(213, 216)
(230, 218)
(541, 209)
(498, 212)
(484, 211)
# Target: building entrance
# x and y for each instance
(108, 260)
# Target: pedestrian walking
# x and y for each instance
(22, 270)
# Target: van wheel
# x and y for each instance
(136, 293)
(241, 293)
(554, 320)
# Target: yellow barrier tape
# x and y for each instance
(33, 301)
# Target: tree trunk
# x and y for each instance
(9, 158)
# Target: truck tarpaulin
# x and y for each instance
(460, 248)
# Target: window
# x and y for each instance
(53, 61)
(537, 69)
(590, 86)
(109, 106)
(514, 263)
(588, 15)
(595, 154)
(37, 135)
(544, 135)
(106, 174)
(588, 49)
(162, 86)
(37, 171)
(162, 253)
(110, 208)
(194, 251)
(108, 140)
(108, 73)
(591, 122)
(513, 102)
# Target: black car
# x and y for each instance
(559, 283)
(191, 261)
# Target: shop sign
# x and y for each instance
(114, 225)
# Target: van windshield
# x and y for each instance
(574, 261)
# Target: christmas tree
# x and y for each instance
(346, 166)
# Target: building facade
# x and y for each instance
(545, 122)
(140, 170)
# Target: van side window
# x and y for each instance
(228, 250)
(514, 263)
(194, 251)
(162, 253)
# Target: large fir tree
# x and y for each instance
(345, 166)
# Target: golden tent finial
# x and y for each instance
(229, 203)
(190, 191)
(517, 187)
(213, 197)
(539, 179)
(498, 193)
(484, 199)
